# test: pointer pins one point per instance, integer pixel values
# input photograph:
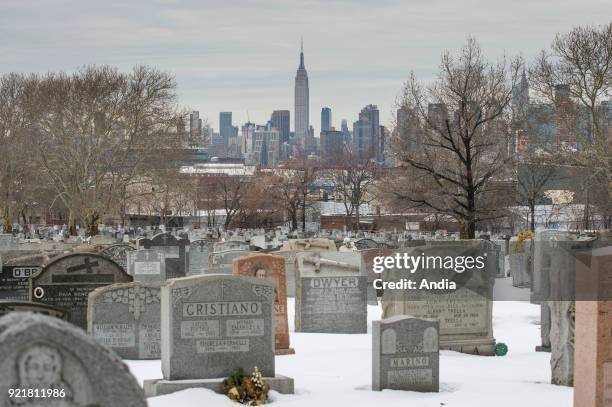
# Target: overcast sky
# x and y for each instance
(241, 55)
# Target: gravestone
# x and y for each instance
(405, 354)
(7, 242)
(15, 281)
(147, 266)
(118, 253)
(272, 269)
(330, 293)
(7, 306)
(290, 259)
(545, 246)
(199, 251)
(258, 241)
(365, 243)
(230, 245)
(500, 248)
(367, 260)
(45, 353)
(213, 325)
(562, 305)
(520, 262)
(126, 318)
(465, 312)
(175, 252)
(310, 245)
(67, 281)
(223, 262)
(593, 353)
(102, 240)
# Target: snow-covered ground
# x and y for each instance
(335, 370)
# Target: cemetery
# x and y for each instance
(444, 239)
(310, 322)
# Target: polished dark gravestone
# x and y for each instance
(175, 252)
(15, 280)
(67, 281)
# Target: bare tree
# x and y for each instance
(231, 191)
(353, 182)
(18, 182)
(98, 130)
(463, 119)
(581, 61)
(532, 179)
(290, 186)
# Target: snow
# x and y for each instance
(336, 370)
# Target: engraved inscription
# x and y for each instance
(200, 329)
(222, 345)
(197, 309)
(245, 327)
(149, 341)
(147, 268)
(416, 361)
(410, 377)
(115, 335)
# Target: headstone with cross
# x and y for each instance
(125, 318)
(66, 281)
(176, 252)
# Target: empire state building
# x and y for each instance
(301, 102)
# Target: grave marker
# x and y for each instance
(272, 269)
(126, 318)
(405, 354)
(67, 281)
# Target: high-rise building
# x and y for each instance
(301, 102)
(281, 120)
(195, 129)
(408, 129)
(366, 133)
(326, 117)
(225, 126)
(333, 147)
(266, 146)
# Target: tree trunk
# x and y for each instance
(92, 224)
(8, 225)
(304, 215)
(72, 224)
(532, 215)
(294, 222)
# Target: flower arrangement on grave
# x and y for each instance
(248, 390)
(519, 245)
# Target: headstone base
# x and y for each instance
(483, 347)
(159, 387)
(286, 351)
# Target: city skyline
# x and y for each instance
(358, 52)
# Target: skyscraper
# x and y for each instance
(195, 129)
(301, 102)
(366, 133)
(225, 126)
(325, 119)
(281, 120)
